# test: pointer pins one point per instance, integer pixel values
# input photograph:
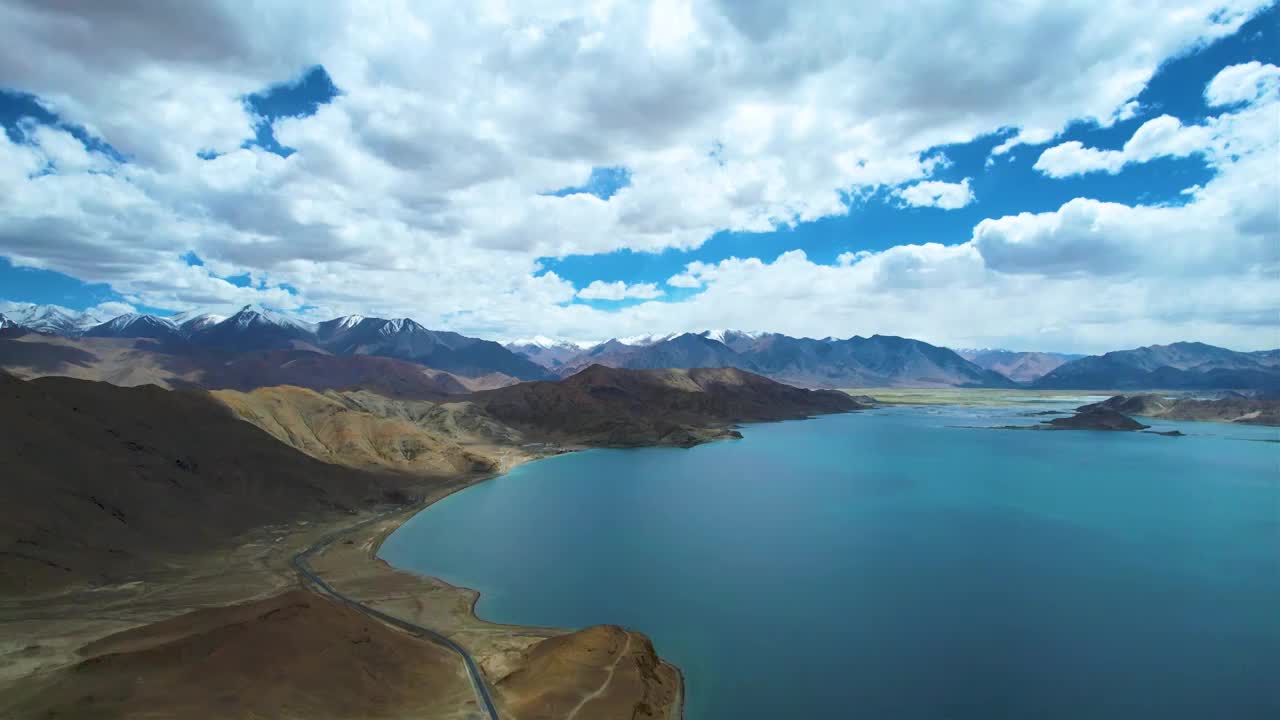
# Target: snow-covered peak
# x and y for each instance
(642, 340)
(127, 320)
(134, 325)
(250, 315)
(346, 322)
(399, 325)
(548, 343)
(724, 334)
(6, 322)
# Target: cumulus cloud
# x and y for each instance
(425, 193)
(600, 290)
(1164, 136)
(684, 280)
(1247, 82)
(111, 309)
(936, 193)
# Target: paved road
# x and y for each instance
(304, 569)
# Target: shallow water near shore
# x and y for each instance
(898, 564)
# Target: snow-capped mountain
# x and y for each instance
(254, 328)
(644, 340)
(405, 339)
(547, 352)
(134, 325)
(6, 323)
(332, 328)
(736, 340)
(52, 319)
(193, 321)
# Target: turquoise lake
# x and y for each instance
(897, 564)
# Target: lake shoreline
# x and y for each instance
(439, 604)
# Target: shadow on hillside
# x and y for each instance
(42, 357)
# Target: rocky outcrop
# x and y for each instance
(1094, 419)
(1232, 408)
(602, 671)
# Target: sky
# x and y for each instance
(1047, 175)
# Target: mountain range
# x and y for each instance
(877, 361)
(359, 349)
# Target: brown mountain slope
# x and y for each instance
(615, 407)
(101, 483)
(362, 429)
(294, 655)
(138, 361)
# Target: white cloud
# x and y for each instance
(600, 290)
(1164, 136)
(420, 193)
(1248, 82)
(935, 193)
(684, 280)
(111, 309)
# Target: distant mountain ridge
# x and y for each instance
(1177, 366)
(257, 329)
(876, 361)
(880, 360)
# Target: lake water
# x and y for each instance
(893, 564)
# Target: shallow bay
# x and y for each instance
(901, 563)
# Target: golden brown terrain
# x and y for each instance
(360, 429)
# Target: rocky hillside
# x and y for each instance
(618, 407)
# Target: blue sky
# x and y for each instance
(599, 196)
